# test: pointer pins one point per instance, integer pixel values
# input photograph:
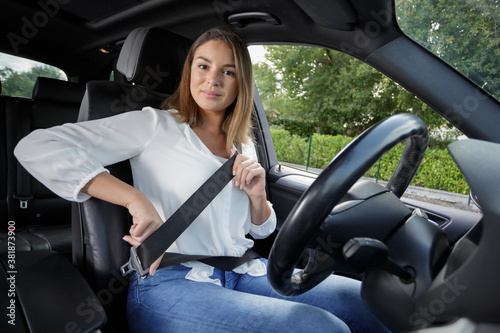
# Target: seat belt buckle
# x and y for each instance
(23, 200)
(134, 265)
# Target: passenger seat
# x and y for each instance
(151, 59)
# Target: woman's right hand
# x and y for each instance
(145, 217)
(145, 221)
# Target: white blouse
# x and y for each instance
(168, 161)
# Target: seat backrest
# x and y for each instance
(151, 59)
(54, 102)
(42, 219)
(3, 159)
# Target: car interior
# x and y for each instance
(60, 261)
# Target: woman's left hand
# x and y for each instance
(249, 176)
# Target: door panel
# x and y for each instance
(287, 184)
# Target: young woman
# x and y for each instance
(172, 152)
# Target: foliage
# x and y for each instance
(441, 138)
(324, 146)
(267, 83)
(296, 126)
(289, 147)
(336, 92)
(437, 171)
(465, 34)
(21, 83)
(315, 90)
(339, 94)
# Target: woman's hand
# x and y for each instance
(249, 176)
(145, 221)
(145, 218)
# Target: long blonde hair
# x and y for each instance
(237, 119)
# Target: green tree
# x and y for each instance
(341, 95)
(21, 83)
(464, 33)
(267, 83)
(338, 93)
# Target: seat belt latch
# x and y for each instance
(134, 264)
(23, 200)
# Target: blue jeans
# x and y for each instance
(167, 302)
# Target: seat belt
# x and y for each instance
(159, 241)
(23, 120)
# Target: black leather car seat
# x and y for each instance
(3, 159)
(42, 219)
(41, 228)
(151, 59)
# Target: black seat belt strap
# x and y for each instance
(159, 241)
(23, 188)
(226, 263)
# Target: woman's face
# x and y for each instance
(214, 85)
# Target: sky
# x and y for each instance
(256, 53)
(16, 63)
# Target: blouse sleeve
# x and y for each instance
(65, 158)
(267, 228)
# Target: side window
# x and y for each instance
(317, 100)
(19, 75)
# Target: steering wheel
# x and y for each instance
(305, 219)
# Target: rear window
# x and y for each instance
(19, 75)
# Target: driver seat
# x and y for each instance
(151, 60)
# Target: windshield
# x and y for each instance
(464, 33)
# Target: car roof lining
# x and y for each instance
(111, 22)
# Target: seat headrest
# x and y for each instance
(153, 58)
(47, 89)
